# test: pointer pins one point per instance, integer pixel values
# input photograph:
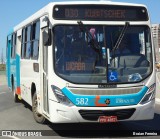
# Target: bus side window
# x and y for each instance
(23, 46)
(35, 40)
(28, 43)
(13, 45)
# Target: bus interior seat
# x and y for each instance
(133, 61)
(129, 64)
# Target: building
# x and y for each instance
(156, 39)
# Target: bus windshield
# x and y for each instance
(90, 57)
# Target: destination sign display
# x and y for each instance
(100, 13)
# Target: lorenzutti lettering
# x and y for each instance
(95, 13)
(106, 86)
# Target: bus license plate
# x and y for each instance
(107, 119)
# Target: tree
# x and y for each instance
(2, 57)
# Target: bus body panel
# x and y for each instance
(28, 76)
(105, 100)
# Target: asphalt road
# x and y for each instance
(18, 116)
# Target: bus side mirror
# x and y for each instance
(46, 37)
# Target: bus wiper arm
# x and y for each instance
(93, 42)
(120, 37)
(81, 26)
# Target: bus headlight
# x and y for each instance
(61, 97)
(149, 95)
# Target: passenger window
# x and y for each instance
(35, 40)
(23, 43)
(28, 43)
(13, 45)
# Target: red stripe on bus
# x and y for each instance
(18, 91)
(97, 103)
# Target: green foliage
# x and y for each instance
(2, 67)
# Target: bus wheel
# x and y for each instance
(38, 117)
(14, 93)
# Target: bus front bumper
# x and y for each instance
(64, 114)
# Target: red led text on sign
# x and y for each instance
(96, 13)
(75, 66)
(71, 13)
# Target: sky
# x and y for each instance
(12, 12)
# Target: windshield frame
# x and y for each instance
(108, 83)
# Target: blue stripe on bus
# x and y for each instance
(8, 65)
(13, 65)
(104, 101)
(15, 70)
(18, 70)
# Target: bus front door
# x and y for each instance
(44, 72)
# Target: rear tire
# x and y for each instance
(14, 93)
(38, 117)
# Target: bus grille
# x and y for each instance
(93, 115)
(110, 91)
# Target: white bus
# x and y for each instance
(84, 62)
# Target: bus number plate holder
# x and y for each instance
(107, 119)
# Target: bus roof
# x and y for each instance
(45, 9)
(98, 2)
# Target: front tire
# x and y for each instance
(38, 117)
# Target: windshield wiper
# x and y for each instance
(119, 40)
(93, 42)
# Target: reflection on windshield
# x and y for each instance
(78, 60)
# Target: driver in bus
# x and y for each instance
(123, 48)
